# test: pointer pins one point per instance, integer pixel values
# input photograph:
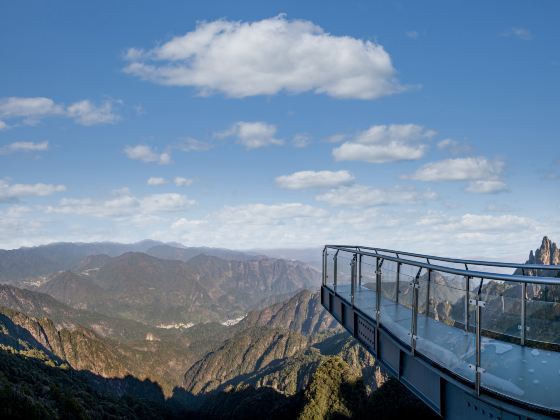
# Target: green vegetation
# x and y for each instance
(30, 389)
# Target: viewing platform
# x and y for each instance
(472, 339)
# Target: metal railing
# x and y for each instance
(482, 263)
(472, 297)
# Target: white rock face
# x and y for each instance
(151, 337)
(231, 322)
(177, 325)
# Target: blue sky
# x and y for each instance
(430, 127)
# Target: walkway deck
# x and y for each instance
(519, 372)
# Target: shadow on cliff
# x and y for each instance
(31, 389)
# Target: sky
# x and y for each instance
(422, 126)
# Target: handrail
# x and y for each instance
(458, 260)
(460, 272)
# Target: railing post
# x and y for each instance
(478, 340)
(479, 304)
(467, 299)
(353, 277)
(523, 312)
(378, 264)
(398, 279)
(414, 324)
(360, 270)
(428, 293)
(335, 269)
(324, 279)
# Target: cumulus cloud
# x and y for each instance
(182, 182)
(33, 109)
(255, 225)
(460, 169)
(123, 205)
(361, 196)
(249, 224)
(268, 213)
(145, 153)
(266, 57)
(193, 145)
(252, 135)
(155, 181)
(10, 192)
(490, 186)
(87, 113)
(485, 222)
(314, 179)
(24, 146)
(301, 140)
(386, 143)
(453, 146)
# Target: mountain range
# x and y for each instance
(159, 330)
(158, 291)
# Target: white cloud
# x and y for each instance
(447, 144)
(123, 205)
(194, 145)
(86, 113)
(24, 146)
(259, 214)
(182, 182)
(145, 153)
(33, 109)
(314, 179)
(412, 34)
(519, 32)
(14, 191)
(252, 135)
(490, 223)
(460, 169)
(253, 225)
(266, 57)
(301, 140)
(386, 143)
(3, 125)
(361, 196)
(490, 186)
(469, 222)
(155, 181)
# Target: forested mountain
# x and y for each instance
(133, 333)
(157, 291)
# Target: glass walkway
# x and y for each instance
(492, 327)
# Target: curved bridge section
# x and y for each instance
(473, 339)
